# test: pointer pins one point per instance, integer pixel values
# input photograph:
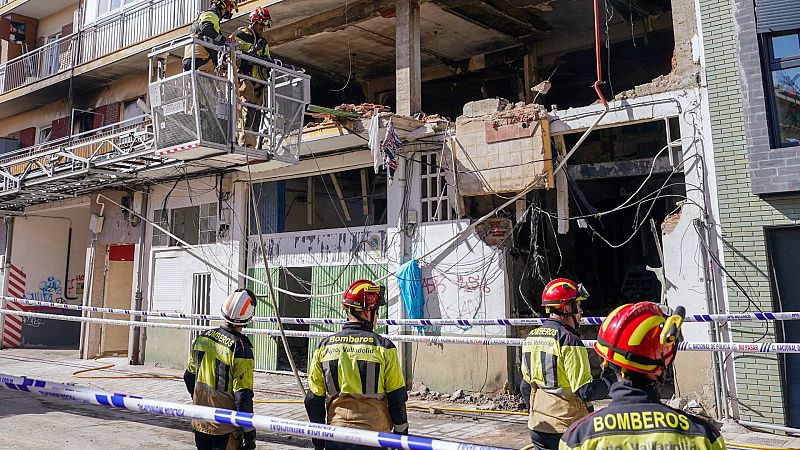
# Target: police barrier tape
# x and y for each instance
(229, 417)
(741, 347)
(742, 317)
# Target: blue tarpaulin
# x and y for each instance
(409, 279)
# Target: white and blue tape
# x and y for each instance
(699, 318)
(739, 347)
(226, 416)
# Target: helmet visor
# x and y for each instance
(583, 294)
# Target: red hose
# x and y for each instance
(597, 53)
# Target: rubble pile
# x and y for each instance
(365, 109)
(502, 401)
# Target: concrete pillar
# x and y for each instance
(407, 49)
(684, 27)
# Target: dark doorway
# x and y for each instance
(783, 246)
(295, 279)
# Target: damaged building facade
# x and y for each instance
(478, 102)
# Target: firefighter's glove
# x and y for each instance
(401, 429)
(249, 440)
(220, 39)
(608, 374)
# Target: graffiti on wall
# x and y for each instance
(75, 286)
(462, 296)
(50, 290)
(50, 287)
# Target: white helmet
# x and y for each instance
(240, 307)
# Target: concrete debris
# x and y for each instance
(420, 389)
(543, 87)
(365, 109)
(484, 107)
(500, 401)
(501, 112)
(677, 403)
(663, 83)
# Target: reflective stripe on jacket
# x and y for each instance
(636, 419)
(556, 365)
(358, 373)
(222, 362)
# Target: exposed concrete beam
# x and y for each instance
(328, 20)
(407, 63)
(618, 169)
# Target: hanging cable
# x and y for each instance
(268, 275)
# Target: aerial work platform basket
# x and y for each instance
(198, 115)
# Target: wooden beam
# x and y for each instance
(328, 21)
(364, 199)
(310, 198)
(341, 196)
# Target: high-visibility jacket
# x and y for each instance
(220, 375)
(254, 45)
(636, 419)
(556, 371)
(355, 381)
(206, 25)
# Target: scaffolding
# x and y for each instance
(198, 114)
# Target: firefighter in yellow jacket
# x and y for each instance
(220, 375)
(557, 379)
(355, 378)
(638, 342)
(251, 41)
(206, 26)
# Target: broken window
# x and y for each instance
(160, 238)
(185, 224)
(637, 142)
(193, 225)
(352, 198)
(433, 190)
(208, 223)
(781, 59)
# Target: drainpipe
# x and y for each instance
(134, 357)
(597, 54)
(9, 221)
(714, 333)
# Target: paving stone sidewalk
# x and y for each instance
(56, 423)
(39, 422)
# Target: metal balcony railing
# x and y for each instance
(134, 24)
(110, 151)
(43, 62)
(131, 25)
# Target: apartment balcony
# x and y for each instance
(36, 9)
(67, 167)
(107, 49)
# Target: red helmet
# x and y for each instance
(261, 15)
(363, 295)
(561, 291)
(639, 337)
